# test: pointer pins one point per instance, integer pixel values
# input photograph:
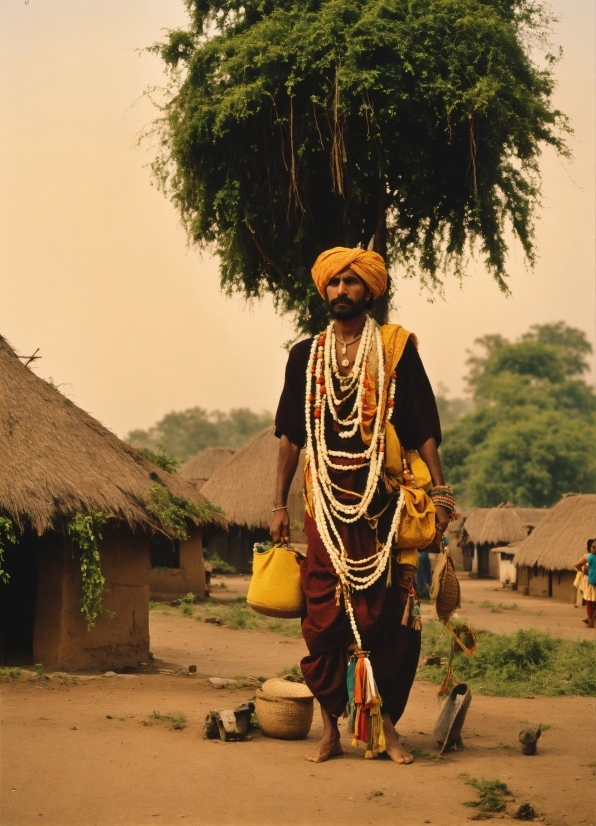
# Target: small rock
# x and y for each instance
(109, 717)
(192, 669)
(213, 620)
(221, 682)
(164, 671)
(529, 739)
(110, 674)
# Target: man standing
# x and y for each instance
(358, 397)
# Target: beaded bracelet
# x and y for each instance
(443, 495)
(282, 508)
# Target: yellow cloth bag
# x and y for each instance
(417, 526)
(275, 588)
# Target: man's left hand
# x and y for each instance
(442, 522)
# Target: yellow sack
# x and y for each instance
(393, 468)
(275, 588)
(417, 526)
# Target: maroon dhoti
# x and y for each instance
(394, 648)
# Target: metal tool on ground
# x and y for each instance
(229, 724)
(448, 728)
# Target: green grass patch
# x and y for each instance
(238, 615)
(176, 719)
(491, 793)
(497, 609)
(528, 662)
(10, 673)
(422, 754)
(159, 607)
(293, 670)
(186, 610)
(66, 678)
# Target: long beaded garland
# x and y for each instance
(322, 368)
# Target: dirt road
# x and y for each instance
(90, 754)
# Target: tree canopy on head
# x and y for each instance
(410, 126)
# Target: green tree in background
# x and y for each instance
(531, 436)
(182, 434)
(411, 126)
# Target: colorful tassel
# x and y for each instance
(412, 615)
(365, 721)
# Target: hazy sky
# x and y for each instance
(96, 271)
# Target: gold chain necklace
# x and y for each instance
(344, 349)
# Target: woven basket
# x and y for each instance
(445, 589)
(285, 718)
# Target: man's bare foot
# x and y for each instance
(328, 747)
(393, 747)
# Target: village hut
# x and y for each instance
(487, 528)
(203, 465)
(58, 463)
(545, 560)
(244, 488)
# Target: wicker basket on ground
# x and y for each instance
(284, 709)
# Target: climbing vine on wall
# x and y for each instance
(85, 530)
(7, 534)
(174, 511)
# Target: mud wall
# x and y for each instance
(120, 637)
(169, 583)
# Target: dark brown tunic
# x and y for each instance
(394, 648)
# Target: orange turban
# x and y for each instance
(368, 265)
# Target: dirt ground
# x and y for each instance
(89, 753)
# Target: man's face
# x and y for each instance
(347, 295)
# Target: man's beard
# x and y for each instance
(345, 309)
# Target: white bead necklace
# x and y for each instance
(321, 396)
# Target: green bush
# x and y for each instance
(527, 662)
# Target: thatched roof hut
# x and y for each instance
(560, 539)
(244, 487)
(56, 459)
(501, 525)
(494, 526)
(201, 467)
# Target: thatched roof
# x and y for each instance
(530, 517)
(55, 459)
(501, 525)
(202, 466)
(244, 487)
(559, 540)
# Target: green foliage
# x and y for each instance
(39, 669)
(527, 662)
(530, 437)
(7, 534)
(184, 433)
(492, 796)
(174, 511)
(220, 566)
(161, 459)
(293, 670)
(85, 530)
(10, 673)
(187, 599)
(239, 616)
(176, 718)
(290, 127)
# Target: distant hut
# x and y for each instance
(206, 462)
(487, 528)
(244, 488)
(545, 560)
(57, 461)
